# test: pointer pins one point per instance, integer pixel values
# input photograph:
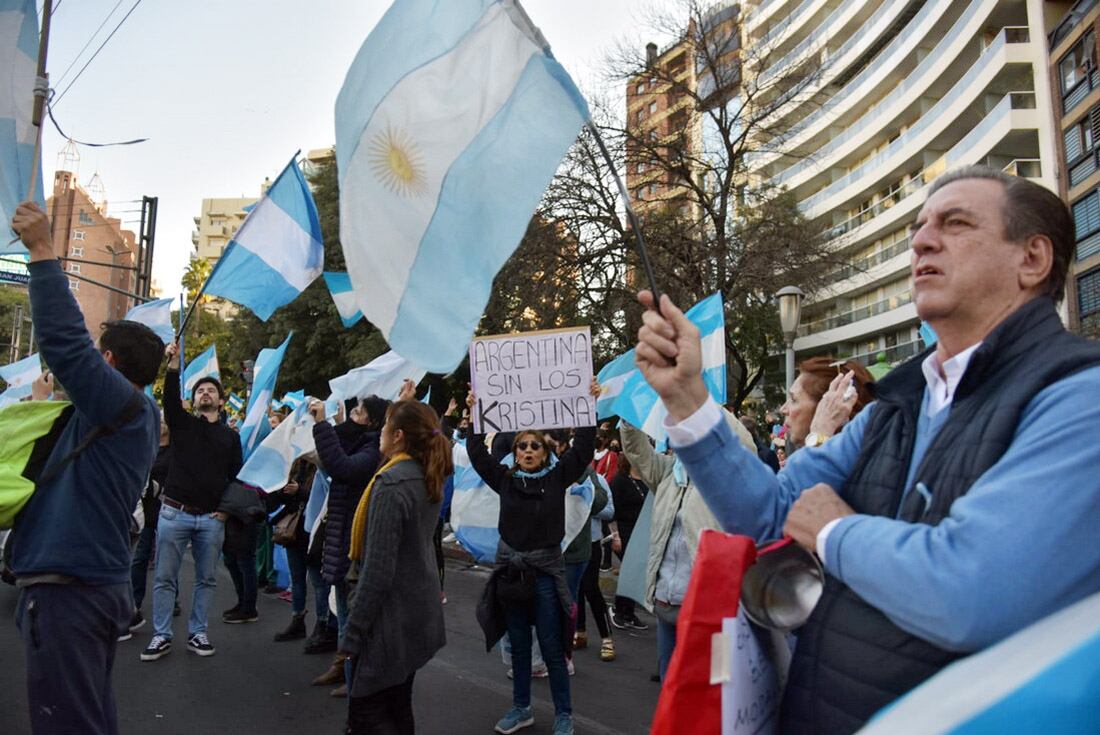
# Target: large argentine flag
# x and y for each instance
(381, 377)
(203, 366)
(20, 377)
(339, 285)
(268, 468)
(475, 509)
(1044, 679)
(450, 124)
(612, 378)
(276, 253)
(640, 405)
(18, 64)
(255, 426)
(157, 315)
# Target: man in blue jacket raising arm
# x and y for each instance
(959, 507)
(71, 545)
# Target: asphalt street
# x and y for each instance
(253, 685)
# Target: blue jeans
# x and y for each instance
(574, 573)
(546, 610)
(341, 608)
(296, 560)
(666, 644)
(174, 530)
(139, 567)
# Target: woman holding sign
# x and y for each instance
(528, 587)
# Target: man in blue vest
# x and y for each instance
(71, 544)
(959, 507)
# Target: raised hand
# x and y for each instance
(669, 354)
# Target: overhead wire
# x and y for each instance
(87, 43)
(89, 61)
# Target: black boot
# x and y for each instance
(294, 631)
(322, 640)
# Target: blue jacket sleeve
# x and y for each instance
(355, 469)
(1020, 545)
(745, 495)
(96, 389)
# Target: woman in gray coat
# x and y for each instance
(395, 623)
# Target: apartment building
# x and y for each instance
(214, 228)
(1075, 82)
(900, 92)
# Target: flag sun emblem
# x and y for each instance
(397, 162)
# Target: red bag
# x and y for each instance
(689, 703)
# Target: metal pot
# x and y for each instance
(782, 588)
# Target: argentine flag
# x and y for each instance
(203, 366)
(235, 402)
(18, 69)
(20, 377)
(276, 253)
(381, 377)
(295, 399)
(255, 426)
(612, 378)
(157, 315)
(1044, 679)
(268, 468)
(640, 405)
(451, 122)
(339, 285)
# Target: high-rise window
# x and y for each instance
(1075, 71)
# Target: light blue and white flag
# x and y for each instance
(157, 315)
(317, 503)
(381, 377)
(1044, 679)
(612, 378)
(339, 285)
(276, 253)
(451, 122)
(235, 402)
(203, 366)
(295, 399)
(268, 467)
(20, 377)
(18, 69)
(475, 509)
(639, 404)
(255, 426)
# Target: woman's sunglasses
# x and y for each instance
(533, 446)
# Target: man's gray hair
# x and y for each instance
(1029, 209)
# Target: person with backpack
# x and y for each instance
(70, 549)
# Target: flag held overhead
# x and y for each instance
(451, 122)
(277, 252)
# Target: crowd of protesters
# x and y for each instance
(852, 462)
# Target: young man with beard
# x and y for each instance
(206, 456)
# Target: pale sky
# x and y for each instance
(227, 90)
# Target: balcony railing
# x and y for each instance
(1028, 168)
(1078, 92)
(894, 355)
(1011, 101)
(867, 262)
(786, 23)
(1007, 35)
(819, 36)
(855, 315)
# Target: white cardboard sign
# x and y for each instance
(532, 380)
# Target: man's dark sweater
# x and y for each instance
(78, 524)
(206, 455)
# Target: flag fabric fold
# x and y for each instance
(203, 366)
(18, 70)
(339, 286)
(276, 253)
(19, 377)
(266, 372)
(382, 377)
(450, 124)
(612, 377)
(639, 404)
(268, 467)
(157, 315)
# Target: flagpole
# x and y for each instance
(41, 91)
(634, 223)
(232, 243)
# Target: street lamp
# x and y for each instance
(790, 313)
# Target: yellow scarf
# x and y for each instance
(359, 523)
